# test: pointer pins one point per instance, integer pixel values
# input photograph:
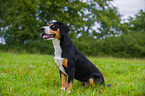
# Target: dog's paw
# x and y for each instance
(68, 91)
(62, 88)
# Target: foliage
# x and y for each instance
(81, 16)
(109, 20)
(127, 45)
(25, 74)
(41, 47)
(20, 24)
(21, 21)
(138, 23)
(135, 24)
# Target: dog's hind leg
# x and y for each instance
(91, 82)
(98, 79)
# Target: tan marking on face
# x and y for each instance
(91, 81)
(57, 33)
(64, 63)
(69, 86)
(63, 80)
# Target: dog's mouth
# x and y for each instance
(48, 36)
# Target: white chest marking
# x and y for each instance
(57, 48)
(57, 53)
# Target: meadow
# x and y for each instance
(37, 75)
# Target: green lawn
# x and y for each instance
(35, 75)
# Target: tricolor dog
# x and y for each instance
(70, 61)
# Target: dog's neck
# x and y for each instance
(57, 48)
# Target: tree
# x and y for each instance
(3, 15)
(82, 16)
(22, 19)
(67, 11)
(134, 24)
(108, 17)
(138, 23)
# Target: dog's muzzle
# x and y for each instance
(47, 36)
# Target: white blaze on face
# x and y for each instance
(47, 29)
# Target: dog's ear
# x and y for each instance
(64, 29)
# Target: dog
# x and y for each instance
(71, 62)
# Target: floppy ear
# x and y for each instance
(64, 29)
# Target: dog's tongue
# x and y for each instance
(46, 36)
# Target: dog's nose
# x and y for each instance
(42, 28)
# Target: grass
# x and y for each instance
(35, 75)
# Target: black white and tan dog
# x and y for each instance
(70, 61)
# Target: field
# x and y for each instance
(35, 75)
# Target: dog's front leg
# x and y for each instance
(71, 73)
(63, 80)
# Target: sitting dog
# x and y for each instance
(70, 61)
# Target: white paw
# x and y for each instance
(62, 88)
(68, 91)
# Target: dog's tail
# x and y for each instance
(109, 85)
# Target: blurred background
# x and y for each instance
(98, 27)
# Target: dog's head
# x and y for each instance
(55, 30)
